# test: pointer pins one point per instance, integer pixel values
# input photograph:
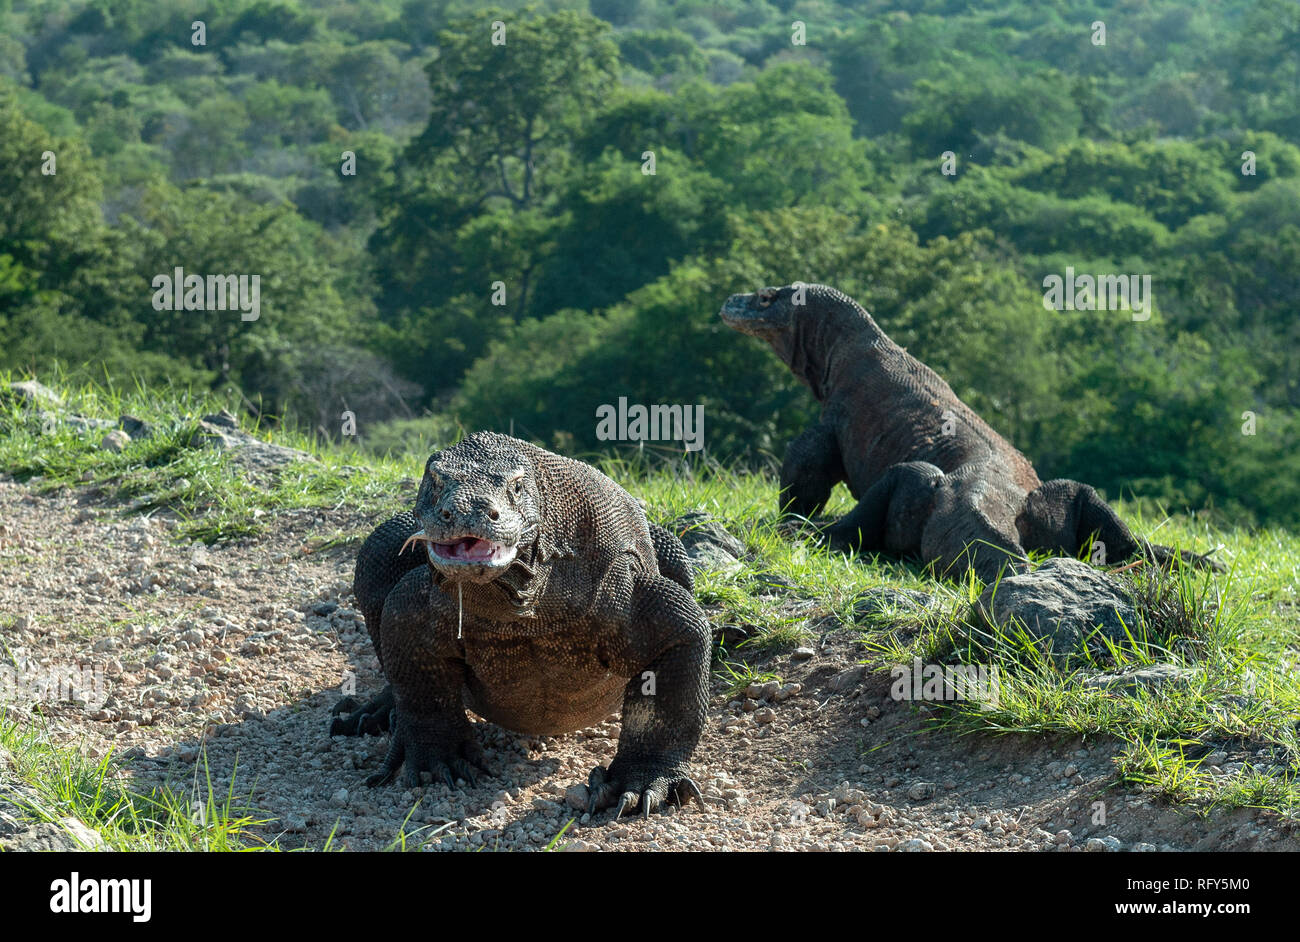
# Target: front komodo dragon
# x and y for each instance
(530, 588)
(932, 480)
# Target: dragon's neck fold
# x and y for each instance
(833, 333)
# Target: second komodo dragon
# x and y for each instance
(931, 478)
(531, 589)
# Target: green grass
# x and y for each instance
(1238, 630)
(214, 494)
(198, 816)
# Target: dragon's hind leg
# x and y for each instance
(916, 510)
(892, 513)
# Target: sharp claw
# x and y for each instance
(645, 807)
(695, 793)
(448, 777)
(380, 778)
(623, 804)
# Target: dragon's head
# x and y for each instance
(763, 314)
(780, 316)
(799, 321)
(479, 506)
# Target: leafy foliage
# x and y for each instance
(537, 228)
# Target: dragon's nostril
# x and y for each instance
(446, 514)
(494, 515)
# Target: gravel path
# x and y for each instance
(237, 653)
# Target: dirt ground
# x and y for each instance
(238, 652)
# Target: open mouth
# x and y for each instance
(465, 551)
(471, 550)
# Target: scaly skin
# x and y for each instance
(932, 479)
(530, 588)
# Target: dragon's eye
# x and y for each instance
(518, 485)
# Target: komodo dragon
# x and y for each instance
(932, 480)
(531, 589)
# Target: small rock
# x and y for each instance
(340, 798)
(802, 653)
(1063, 601)
(1103, 844)
(33, 394)
(922, 791)
(576, 797)
(136, 428)
(115, 441)
(847, 680)
(915, 845)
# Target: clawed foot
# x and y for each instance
(644, 787)
(445, 762)
(352, 718)
(1165, 556)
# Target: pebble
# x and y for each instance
(1103, 844)
(915, 845)
(577, 796)
(115, 441)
